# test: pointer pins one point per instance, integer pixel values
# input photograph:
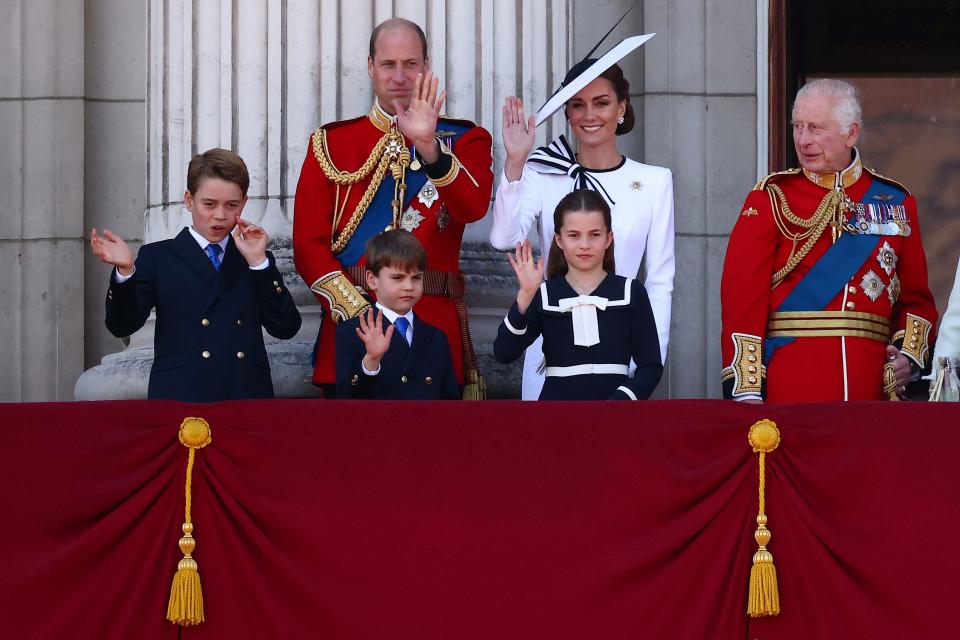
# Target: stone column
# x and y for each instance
(41, 209)
(258, 77)
(699, 98)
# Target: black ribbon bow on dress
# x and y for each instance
(557, 158)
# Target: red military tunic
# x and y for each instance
(460, 195)
(839, 352)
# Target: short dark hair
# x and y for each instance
(578, 200)
(217, 163)
(394, 23)
(396, 248)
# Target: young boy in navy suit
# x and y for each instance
(390, 353)
(212, 291)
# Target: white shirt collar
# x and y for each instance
(392, 316)
(203, 242)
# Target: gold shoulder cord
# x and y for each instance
(831, 209)
(389, 152)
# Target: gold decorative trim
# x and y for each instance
(451, 175)
(844, 178)
(763, 183)
(827, 315)
(380, 118)
(831, 209)
(827, 333)
(876, 327)
(345, 299)
(391, 153)
(747, 366)
(876, 174)
(916, 345)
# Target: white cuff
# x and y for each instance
(748, 396)
(120, 279)
(369, 373)
(263, 265)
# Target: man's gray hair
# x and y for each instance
(846, 109)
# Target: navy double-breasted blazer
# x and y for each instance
(208, 343)
(422, 370)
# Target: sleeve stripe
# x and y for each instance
(511, 328)
(627, 391)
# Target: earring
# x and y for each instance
(620, 120)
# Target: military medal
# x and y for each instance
(894, 290)
(887, 258)
(428, 194)
(872, 285)
(443, 217)
(410, 219)
(415, 163)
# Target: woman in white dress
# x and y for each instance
(640, 195)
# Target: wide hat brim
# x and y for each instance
(590, 74)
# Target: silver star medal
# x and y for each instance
(887, 258)
(872, 285)
(428, 194)
(410, 219)
(894, 290)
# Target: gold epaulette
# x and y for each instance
(899, 185)
(322, 154)
(346, 299)
(462, 121)
(763, 183)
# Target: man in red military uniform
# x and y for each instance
(401, 165)
(824, 292)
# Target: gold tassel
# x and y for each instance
(890, 382)
(763, 598)
(186, 595)
(475, 387)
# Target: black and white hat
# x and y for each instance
(589, 69)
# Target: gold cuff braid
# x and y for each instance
(747, 369)
(916, 340)
(345, 299)
(454, 167)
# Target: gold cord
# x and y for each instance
(831, 209)
(389, 152)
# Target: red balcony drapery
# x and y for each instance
(480, 520)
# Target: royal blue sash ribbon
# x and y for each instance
(380, 212)
(833, 270)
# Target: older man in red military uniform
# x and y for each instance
(824, 293)
(401, 165)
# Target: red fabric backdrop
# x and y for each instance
(488, 520)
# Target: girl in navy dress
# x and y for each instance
(593, 321)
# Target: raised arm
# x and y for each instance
(516, 205)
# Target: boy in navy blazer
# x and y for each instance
(212, 291)
(390, 353)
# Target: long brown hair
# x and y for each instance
(578, 200)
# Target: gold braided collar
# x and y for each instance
(844, 178)
(380, 118)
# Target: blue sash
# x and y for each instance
(380, 212)
(834, 269)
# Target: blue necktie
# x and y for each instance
(213, 252)
(402, 324)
